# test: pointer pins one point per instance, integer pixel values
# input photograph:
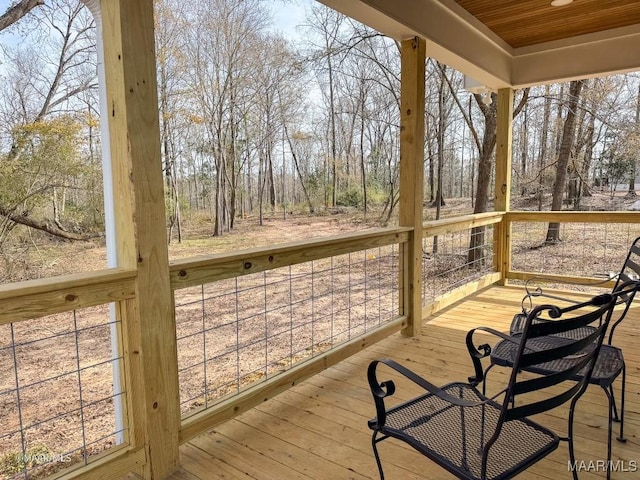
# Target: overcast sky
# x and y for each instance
(4, 5)
(286, 15)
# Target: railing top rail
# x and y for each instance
(197, 271)
(575, 217)
(454, 224)
(47, 296)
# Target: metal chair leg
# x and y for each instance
(616, 418)
(374, 444)
(609, 431)
(572, 453)
(624, 386)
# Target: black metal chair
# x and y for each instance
(480, 438)
(609, 364)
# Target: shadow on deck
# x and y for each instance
(318, 429)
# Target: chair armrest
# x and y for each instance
(482, 351)
(381, 390)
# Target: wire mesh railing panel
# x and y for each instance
(235, 333)
(59, 403)
(451, 260)
(594, 250)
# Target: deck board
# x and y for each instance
(318, 430)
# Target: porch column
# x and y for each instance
(148, 321)
(502, 234)
(412, 106)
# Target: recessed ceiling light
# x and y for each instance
(560, 3)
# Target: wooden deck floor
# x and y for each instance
(318, 429)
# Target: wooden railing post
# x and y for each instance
(502, 234)
(148, 319)
(412, 106)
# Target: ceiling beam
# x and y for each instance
(459, 40)
(587, 56)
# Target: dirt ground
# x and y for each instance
(38, 257)
(63, 363)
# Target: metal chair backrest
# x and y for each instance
(631, 267)
(629, 273)
(545, 342)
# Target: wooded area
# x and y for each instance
(253, 122)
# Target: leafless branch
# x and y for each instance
(19, 10)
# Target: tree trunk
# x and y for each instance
(477, 238)
(297, 167)
(574, 167)
(272, 183)
(588, 157)
(261, 185)
(544, 139)
(334, 149)
(363, 171)
(440, 145)
(568, 134)
(524, 148)
(632, 177)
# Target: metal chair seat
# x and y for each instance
(609, 363)
(425, 421)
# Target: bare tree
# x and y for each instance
(635, 141)
(566, 144)
(544, 145)
(442, 119)
(221, 54)
(169, 44)
(327, 23)
(45, 80)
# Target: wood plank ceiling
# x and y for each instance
(513, 43)
(529, 22)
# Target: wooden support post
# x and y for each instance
(502, 234)
(148, 320)
(412, 106)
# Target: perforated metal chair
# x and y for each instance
(609, 364)
(479, 438)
